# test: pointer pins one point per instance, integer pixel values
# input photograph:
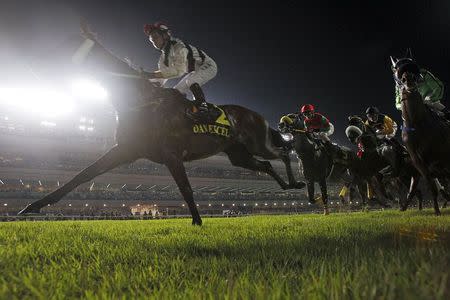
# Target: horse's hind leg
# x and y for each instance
(116, 156)
(434, 192)
(292, 182)
(271, 147)
(240, 157)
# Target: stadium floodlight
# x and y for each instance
(82, 127)
(331, 202)
(104, 204)
(6, 204)
(40, 100)
(48, 204)
(86, 204)
(256, 204)
(88, 89)
(275, 204)
(356, 202)
(293, 203)
(198, 205)
(245, 204)
(233, 204)
(209, 204)
(182, 204)
(284, 204)
(265, 204)
(222, 204)
(70, 204)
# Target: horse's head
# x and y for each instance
(353, 134)
(407, 76)
(406, 72)
(356, 121)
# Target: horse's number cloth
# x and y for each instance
(220, 127)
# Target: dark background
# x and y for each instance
(272, 57)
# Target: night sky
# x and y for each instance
(272, 57)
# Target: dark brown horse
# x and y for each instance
(426, 136)
(317, 164)
(152, 124)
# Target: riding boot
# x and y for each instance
(199, 97)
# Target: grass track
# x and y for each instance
(375, 255)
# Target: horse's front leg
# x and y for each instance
(323, 189)
(176, 168)
(412, 192)
(310, 187)
(116, 156)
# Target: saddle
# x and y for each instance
(210, 115)
(213, 122)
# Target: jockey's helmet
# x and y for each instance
(159, 26)
(307, 110)
(372, 113)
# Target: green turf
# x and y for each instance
(374, 255)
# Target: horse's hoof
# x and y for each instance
(29, 209)
(197, 222)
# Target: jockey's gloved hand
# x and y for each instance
(284, 127)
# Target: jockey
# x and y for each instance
(430, 87)
(181, 59)
(316, 123)
(384, 129)
(290, 122)
(382, 125)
